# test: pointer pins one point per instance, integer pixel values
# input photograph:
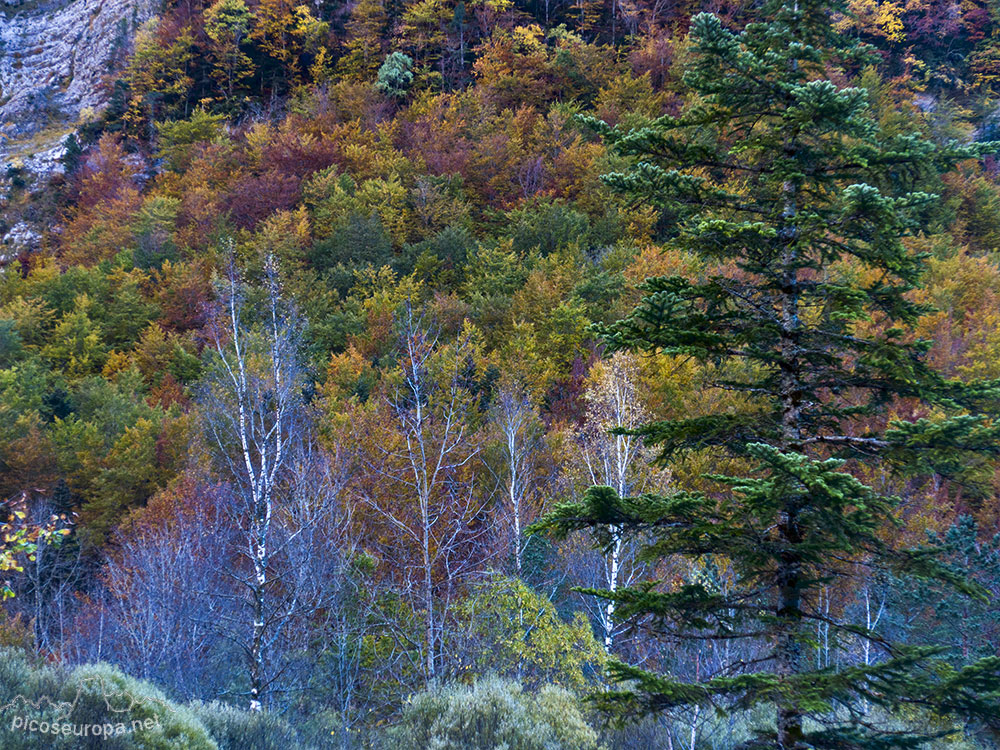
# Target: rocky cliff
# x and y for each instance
(54, 57)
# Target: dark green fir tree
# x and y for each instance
(797, 204)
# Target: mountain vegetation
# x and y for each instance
(513, 373)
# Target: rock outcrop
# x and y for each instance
(53, 59)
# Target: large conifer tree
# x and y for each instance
(798, 205)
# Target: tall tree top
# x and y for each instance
(799, 206)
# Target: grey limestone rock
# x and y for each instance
(54, 58)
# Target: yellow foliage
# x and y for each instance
(882, 19)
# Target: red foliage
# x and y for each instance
(255, 197)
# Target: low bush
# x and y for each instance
(46, 707)
(492, 714)
(235, 729)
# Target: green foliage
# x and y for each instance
(11, 348)
(395, 75)
(494, 270)
(227, 23)
(234, 729)
(139, 714)
(441, 259)
(354, 241)
(781, 179)
(492, 714)
(178, 137)
(930, 613)
(546, 227)
(71, 156)
(75, 346)
(509, 629)
(153, 232)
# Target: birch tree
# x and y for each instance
(283, 490)
(616, 459)
(514, 415)
(424, 484)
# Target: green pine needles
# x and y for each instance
(797, 203)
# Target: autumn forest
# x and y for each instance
(522, 374)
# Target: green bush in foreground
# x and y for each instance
(234, 729)
(492, 714)
(44, 707)
(47, 707)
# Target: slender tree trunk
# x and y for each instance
(259, 593)
(614, 568)
(429, 660)
(514, 490)
(257, 651)
(789, 573)
(515, 504)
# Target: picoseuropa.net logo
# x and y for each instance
(59, 718)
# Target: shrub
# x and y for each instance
(547, 227)
(138, 714)
(355, 240)
(492, 714)
(11, 348)
(235, 729)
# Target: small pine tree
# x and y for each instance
(72, 155)
(797, 203)
(395, 75)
